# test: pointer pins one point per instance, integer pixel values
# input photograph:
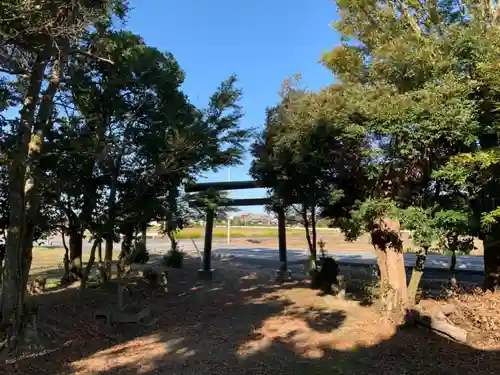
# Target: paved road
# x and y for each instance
(264, 256)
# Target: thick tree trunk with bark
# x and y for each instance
(491, 262)
(41, 126)
(125, 253)
(23, 189)
(453, 264)
(16, 253)
(386, 239)
(127, 241)
(108, 256)
(144, 234)
(110, 224)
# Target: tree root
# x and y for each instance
(38, 354)
(437, 321)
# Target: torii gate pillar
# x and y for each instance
(283, 272)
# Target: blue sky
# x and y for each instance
(261, 41)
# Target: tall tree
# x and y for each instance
(413, 62)
(37, 37)
(310, 148)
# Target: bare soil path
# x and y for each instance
(240, 323)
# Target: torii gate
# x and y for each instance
(207, 271)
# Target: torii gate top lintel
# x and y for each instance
(225, 185)
(238, 185)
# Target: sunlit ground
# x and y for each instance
(241, 323)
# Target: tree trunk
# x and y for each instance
(144, 235)
(90, 263)
(101, 268)
(99, 253)
(13, 273)
(314, 233)
(41, 126)
(125, 253)
(416, 276)
(453, 264)
(312, 247)
(110, 224)
(2, 257)
(173, 241)
(491, 262)
(108, 256)
(386, 239)
(66, 277)
(127, 240)
(75, 251)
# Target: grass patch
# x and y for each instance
(42, 248)
(52, 283)
(236, 233)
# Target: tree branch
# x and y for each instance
(13, 72)
(92, 56)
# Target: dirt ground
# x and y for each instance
(242, 322)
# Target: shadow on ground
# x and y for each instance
(238, 324)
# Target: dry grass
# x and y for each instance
(478, 312)
(240, 323)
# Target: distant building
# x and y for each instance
(256, 219)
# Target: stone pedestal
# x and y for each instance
(283, 275)
(206, 274)
(128, 314)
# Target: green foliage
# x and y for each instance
(121, 159)
(209, 199)
(442, 230)
(410, 131)
(423, 226)
(309, 153)
(457, 230)
(104, 138)
(489, 219)
(365, 214)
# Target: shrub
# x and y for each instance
(326, 276)
(174, 258)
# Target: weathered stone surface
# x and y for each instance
(206, 274)
(129, 314)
